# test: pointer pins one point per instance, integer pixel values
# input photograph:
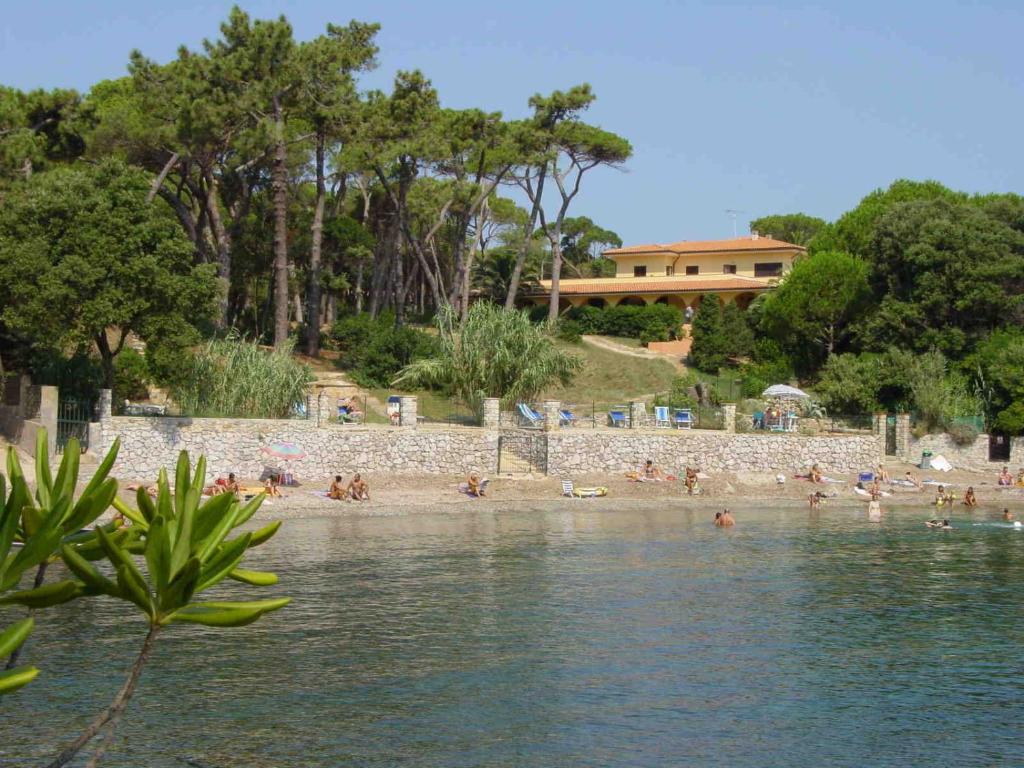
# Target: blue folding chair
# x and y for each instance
(683, 418)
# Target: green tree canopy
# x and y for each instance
(948, 274)
(810, 311)
(84, 259)
(796, 228)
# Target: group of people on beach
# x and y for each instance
(356, 489)
(1006, 479)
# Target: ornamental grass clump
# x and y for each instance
(236, 378)
(493, 353)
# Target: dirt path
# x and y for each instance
(622, 349)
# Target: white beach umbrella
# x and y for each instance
(783, 390)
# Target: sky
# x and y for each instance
(757, 108)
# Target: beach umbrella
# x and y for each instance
(283, 451)
(783, 390)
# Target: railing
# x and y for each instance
(454, 415)
(302, 410)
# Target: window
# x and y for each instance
(768, 269)
(669, 271)
(692, 270)
(642, 271)
(729, 269)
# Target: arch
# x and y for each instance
(744, 299)
(597, 301)
(632, 301)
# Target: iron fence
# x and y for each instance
(451, 414)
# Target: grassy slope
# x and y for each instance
(609, 378)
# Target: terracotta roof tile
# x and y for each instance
(678, 284)
(707, 246)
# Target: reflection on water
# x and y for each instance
(574, 639)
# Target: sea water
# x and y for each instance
(583, 637)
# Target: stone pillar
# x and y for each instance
(321, 405)
(407, 409)
(903, 436)
(552, 417)
(637, 415)
(24, 384)
(492, 412)
(101, 433)
(49, 398)
(729, 416)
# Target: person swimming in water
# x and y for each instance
(942, 525)
(1007, 515)
(969, 498)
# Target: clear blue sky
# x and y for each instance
(766, 109)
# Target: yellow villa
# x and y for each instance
(681, 274)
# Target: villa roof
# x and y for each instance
(677, 284)
(708, 246)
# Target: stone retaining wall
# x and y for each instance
(234, 445)
(973, 456)
(572, 452)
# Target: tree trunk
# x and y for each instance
(280, 187)
(359, 288)
(113, 713)
(223, 241)
(517, 271)
(106, 359)
(317, 230)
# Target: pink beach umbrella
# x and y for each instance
(283, 451)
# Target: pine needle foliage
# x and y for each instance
(493, 353)
(235, 378)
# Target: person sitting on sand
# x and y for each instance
(337, 490)
(881, 475)
(815, 474)
(1020, 478)
(474, 485)
(911, 478)
(1005, 478)
(270, 487)
(969, 498)
(940, 524)
(690, 481)
(651, 472)
(232, 485)
(1007, 515)
(358, 490)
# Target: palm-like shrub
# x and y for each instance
(492, 354)
(236, 378)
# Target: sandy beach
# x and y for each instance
(433, 494)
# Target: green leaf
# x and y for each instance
(256, 578)
(12, 637)
(132, 514)
(44, 480)
(225, 560)
(264, 534)
(15, 678)
(182, 548)
(221, 529)
(209, 514)
(199, 478)
(38, 547)
(145, 504)
(181, 588)
(100, 475)
(226, 614)
(134, 588)
(87, 572)
(67, 473)
(249, 510)
(45, 596)
(158, 554)
(181, 482)
(91, 505)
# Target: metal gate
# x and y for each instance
(521, 453)
(73, 417)
(998, 448)
(890, 435)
